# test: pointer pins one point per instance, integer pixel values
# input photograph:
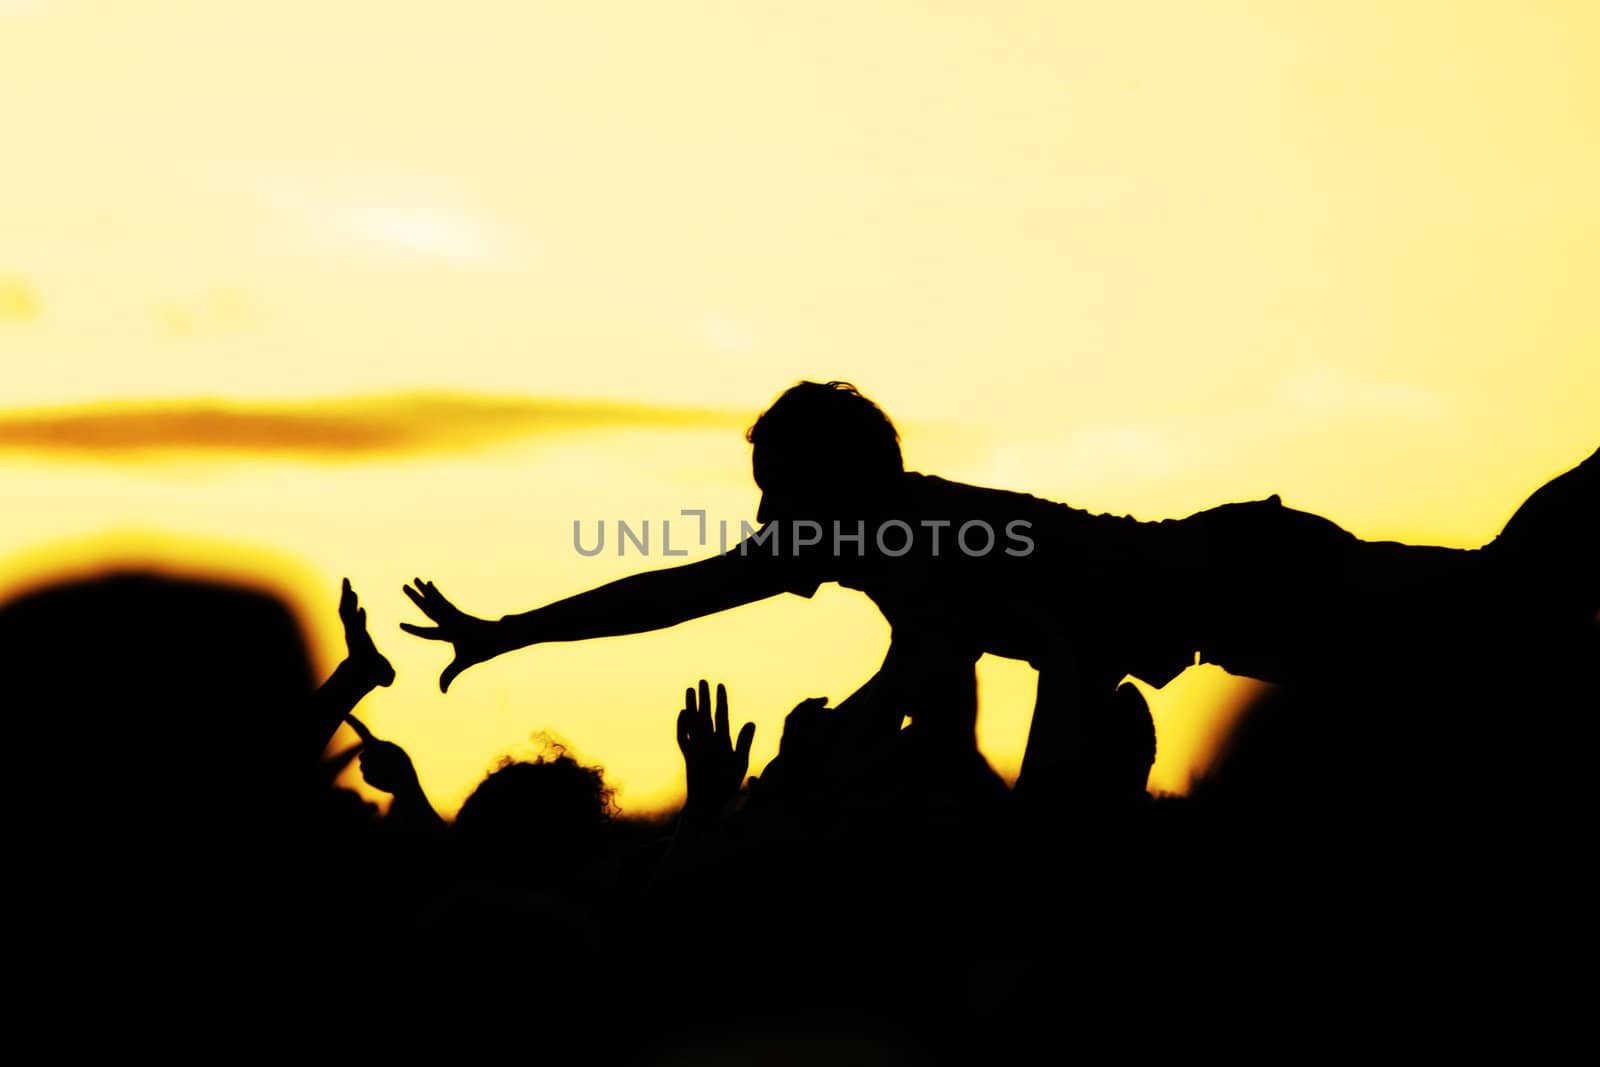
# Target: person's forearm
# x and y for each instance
(346, 687)
(639, 603)
(696, 846)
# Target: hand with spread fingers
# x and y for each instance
(714, 761)
(475, 640)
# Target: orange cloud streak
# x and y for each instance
(352, 428)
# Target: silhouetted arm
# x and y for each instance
(639, 603)
(387, 767)
(715, 764)
(363, 669)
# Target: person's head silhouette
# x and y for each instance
(534, 821)
(819, 448)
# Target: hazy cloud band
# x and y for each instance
(333, 429)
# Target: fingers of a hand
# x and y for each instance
(347, 597)
(360, 728)
(391, 754)
(685, 730)
(689, 702)
(432, 633)
(450, 674)
(722, 726)
(416, 597)
(705, 707)
(430, 592)
(747, 736)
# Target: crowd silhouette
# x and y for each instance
(876, 893)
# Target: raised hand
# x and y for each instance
(388, 767)
(361, 652)
(385, 765)
(714, 762)
(364, 669)
(475, 640)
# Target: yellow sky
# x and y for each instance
(1141, 257)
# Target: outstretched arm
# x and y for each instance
(639, 603)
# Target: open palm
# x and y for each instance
(475, 640)
(715, 763)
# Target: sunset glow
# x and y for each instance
(302, 292)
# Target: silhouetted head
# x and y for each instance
(528, 821)
(155, 678)
(820, 447)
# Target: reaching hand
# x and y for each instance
(360, 650)
(715, 764)
(475, 639)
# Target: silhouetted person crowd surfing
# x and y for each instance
(1260, 589)
(1401, 815)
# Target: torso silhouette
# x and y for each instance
(1258, 588)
